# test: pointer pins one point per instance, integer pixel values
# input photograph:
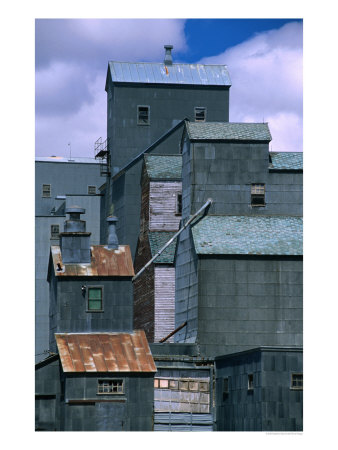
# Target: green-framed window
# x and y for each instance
(95, 302)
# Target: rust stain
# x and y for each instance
(105, 352)
(104, 262)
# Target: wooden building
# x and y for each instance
(154, 290)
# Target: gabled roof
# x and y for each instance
(158, 73)
(164, 167)
(104, 262)
(286, 160)
(157, 240)
(228, 131)
(249, 235)
(105, 352)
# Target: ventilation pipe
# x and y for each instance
(168, 59)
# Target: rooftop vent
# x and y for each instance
(113, 242)
(168, 59)
(75, 245)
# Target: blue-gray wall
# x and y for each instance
(131, 411)
(69, 179)
(68, 306)
(272, 405)
(224, 172)
(168, 104)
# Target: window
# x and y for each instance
(200, 114)
(192, 385)
(91, 190)
(179, 204)
(95, 299)
(54, 231)
(46, 190)
(297, 381)
(110, 387)
(258, 194)
(250, 382)
(225, 386)
(143, 115)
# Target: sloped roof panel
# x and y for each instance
(286, 161)
(228, 131)
(157, 240)
(193, 74)
(249, 235)
(105, 352)
(163, 167)
(104, 262)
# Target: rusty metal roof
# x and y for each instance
(104, 262)
(105, 352)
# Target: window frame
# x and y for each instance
(292, 386)
(205, 113)
(256, 193)
(87, 299)
(111, 381)
(250, 382)
(53, 235)
(179, 206)
(138, 115)
(88, 190)
(49, 193)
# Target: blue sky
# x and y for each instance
(264, 58)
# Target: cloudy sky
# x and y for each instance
(264, 58)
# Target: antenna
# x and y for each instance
(70, 151)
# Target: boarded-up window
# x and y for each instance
(258, 194)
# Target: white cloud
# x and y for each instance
(72, 58)
(266, 74)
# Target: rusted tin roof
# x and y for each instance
(105, 352)
(104, 262)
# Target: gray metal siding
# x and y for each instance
(249, 302)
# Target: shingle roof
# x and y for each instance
(104, 262)
(249, 235)
(286, 161)
(157, 240)
(164, 167)
(228, 131)
(193, 74)
(105, 352)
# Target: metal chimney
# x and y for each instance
(113, 242)
(75, 244)
(168, 59)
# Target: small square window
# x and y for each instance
(204, 386)
(110, 387)
(46, 190)
(297, 381)
(179, 204)
(95, 299)
(258, 194)
(250, 382)
(91, 190)
(193, 385)
(164, 384)
(54, 231)
(173, 384)
(143, 115)
(183, 385)
(200, 114)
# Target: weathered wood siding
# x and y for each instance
(164, 302)
(162, 206)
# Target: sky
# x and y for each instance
(264, 58)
